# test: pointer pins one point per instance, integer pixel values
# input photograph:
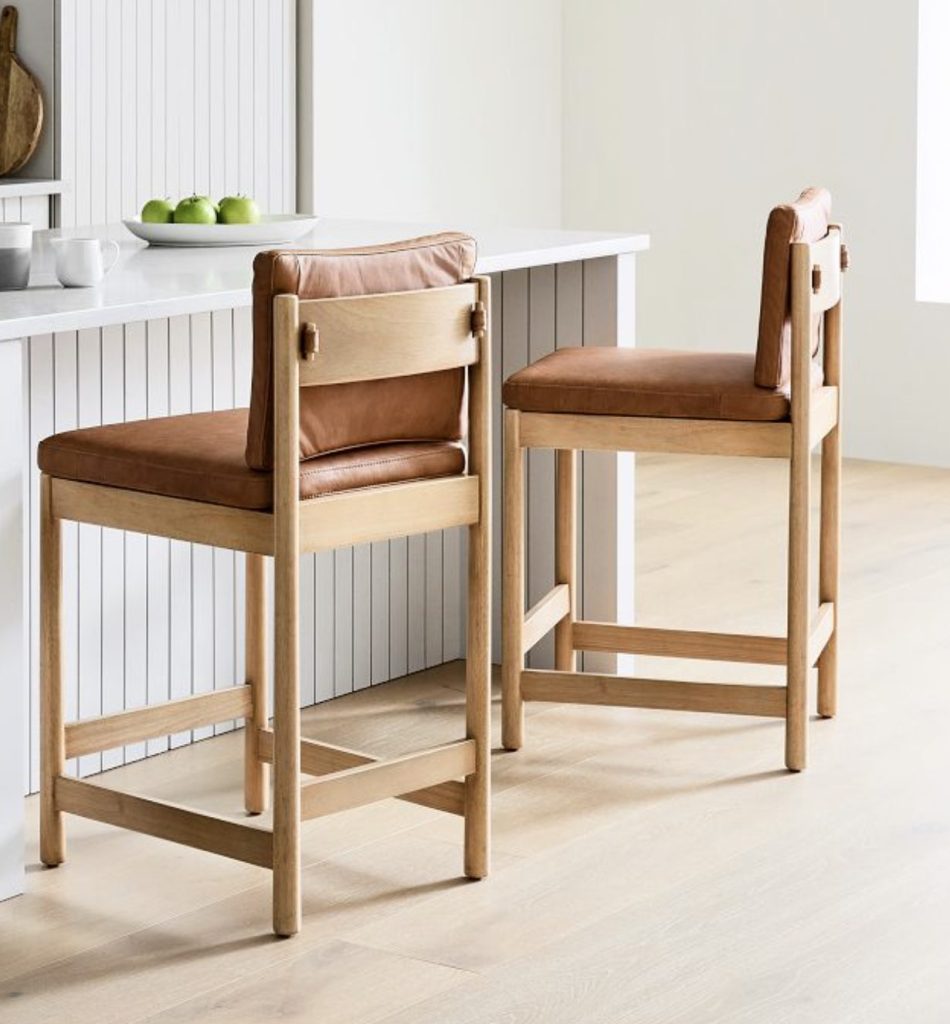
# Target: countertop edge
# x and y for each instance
(204, 302)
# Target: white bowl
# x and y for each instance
(274, 229)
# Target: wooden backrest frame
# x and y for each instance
(368, 338)
(816, 289)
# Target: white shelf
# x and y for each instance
(20, 188)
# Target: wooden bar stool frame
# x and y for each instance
(812, 633)
(317, 342)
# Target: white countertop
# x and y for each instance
(148, 283)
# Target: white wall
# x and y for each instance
(689, 120)
(436, 111)
(933, 154)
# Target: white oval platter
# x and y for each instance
(272, 229)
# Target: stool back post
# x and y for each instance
(287, 896)
(478, 634)
(815, 289)
(830, 536)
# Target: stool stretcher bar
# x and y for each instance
(545, 615)
(659, 694)
(367, 783)
(325, 758)
(198, 829)
(611, 638)
(93, 735)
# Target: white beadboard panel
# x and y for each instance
(170, 97)
(589, 302)
(33, 210)
(14, 615)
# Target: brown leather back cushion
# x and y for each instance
(334, 417)
(805, 220)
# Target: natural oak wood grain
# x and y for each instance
(513, 585)
(53, 739)
(256, 772)
(565, 554)
(830, 530)
(477, 837)
(799, 513)
(545, 615)
(165, 821)
(413, 332)
(679, 643)
(822, 629)
(624, 691)
(322, 758)
(377, 780)
(157, 515)
(94, 734)
(646, 434)
(393, 510)
(287, 895)
(21, 100)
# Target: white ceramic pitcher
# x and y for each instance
(81, 263)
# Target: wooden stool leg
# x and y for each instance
(830, 538)
(256, 774)
(513, 610)
(287, 897)
(798, 604)
(53, 737)
(829, 569)
(478, 701)
(478, 642)
(565, 555)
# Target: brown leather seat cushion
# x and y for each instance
(201, 457)
(646, 382)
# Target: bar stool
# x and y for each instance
(370, 371)
(779, 403)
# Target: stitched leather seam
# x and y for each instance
(263, 475)
(376, 462)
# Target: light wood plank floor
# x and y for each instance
(649, 868)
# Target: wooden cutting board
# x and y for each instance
(21, 102)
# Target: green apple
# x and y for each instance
(213, 203)
(158, 211)
(195, 210)
(238, 210)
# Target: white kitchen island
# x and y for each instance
(147, 619)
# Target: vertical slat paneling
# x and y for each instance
(157, 548)
(113, 547)
(542, 283)
(89, 566)
(173, 96)
(41, 413)
(65, 417)
(136, 546)
(498, 376)
(514, 331)
(180, 554)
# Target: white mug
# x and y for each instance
(79, 261)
